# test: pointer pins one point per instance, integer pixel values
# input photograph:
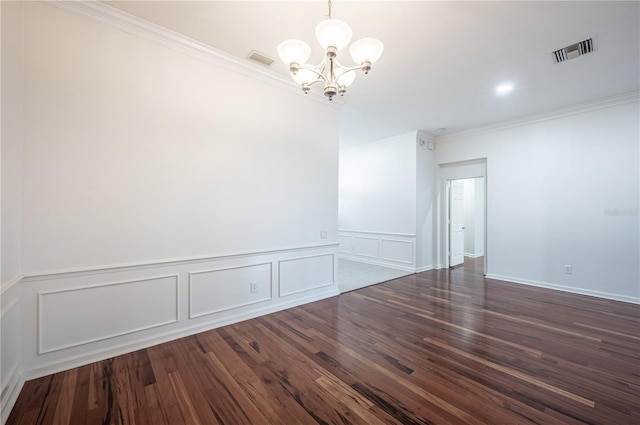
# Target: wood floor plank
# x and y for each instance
(440, 347)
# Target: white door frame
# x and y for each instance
(450, 225)
(455, 174)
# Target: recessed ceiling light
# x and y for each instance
(504, 89)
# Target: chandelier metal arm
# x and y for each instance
(346, 69)
(333, 35)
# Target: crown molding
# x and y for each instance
(110, 268)
(105, 14)
(387, 140)
(607, 102)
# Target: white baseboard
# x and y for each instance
(377, 263)
(10, 393)
(73, 343)
(571, 289)
(481, 254)
(425, 268)
(66, 363)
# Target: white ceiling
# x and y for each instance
(442, 60)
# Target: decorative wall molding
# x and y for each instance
(236, 292)
(371, 232)
(49, 366)
(595, 105)
(395, 250)
(572, 289)
(8, 307)
(12, 384)
(158, 302)
(295, 278)
(131, 24)
(10, 283)
(86, 271)
(366, 246)
(11, 379)
(55, 322)
(398, 250)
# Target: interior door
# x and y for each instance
(456, 225)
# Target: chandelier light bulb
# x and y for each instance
(333, 32)
(305, 76)
(333, 35)
(366, 50)
(345, 77)
(294, 51)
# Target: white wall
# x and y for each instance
(134, 152)
(11, 139)
(157, 189)
(562, 192)
(378, 186)
(426, 204)
(377, 202)
(10, 201)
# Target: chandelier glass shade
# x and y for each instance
(333, 35)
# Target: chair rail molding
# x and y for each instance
(65, 315)
(395, 250)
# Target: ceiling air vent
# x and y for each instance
(260, 58)
(573, 51)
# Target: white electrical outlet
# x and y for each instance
(254, 287)
(568, 269)
(323, 234)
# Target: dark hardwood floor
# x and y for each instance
(439, 347)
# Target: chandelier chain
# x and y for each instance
(329, 5)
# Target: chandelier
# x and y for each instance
(333, 35)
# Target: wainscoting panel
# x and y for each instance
(366, 247)
(213, 291)
(345, 244)
(305, 274)
(400, 251)
(77, 316)
(395, 250)
(11, 380)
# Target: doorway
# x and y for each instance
(474, 242)
(466, 220)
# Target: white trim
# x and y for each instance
(193, 316)
(84, 271)
(607, 102)
(408, 235)
(410, 243)
(426, 268)
(571, 289)
(362, 259)
(9, 306)
(10, 283)
(43, 369)
(299, 291)
(10, 392)
(282, 294)
(136, 26)
(41, 294)
(359, 254)
(466, 254)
